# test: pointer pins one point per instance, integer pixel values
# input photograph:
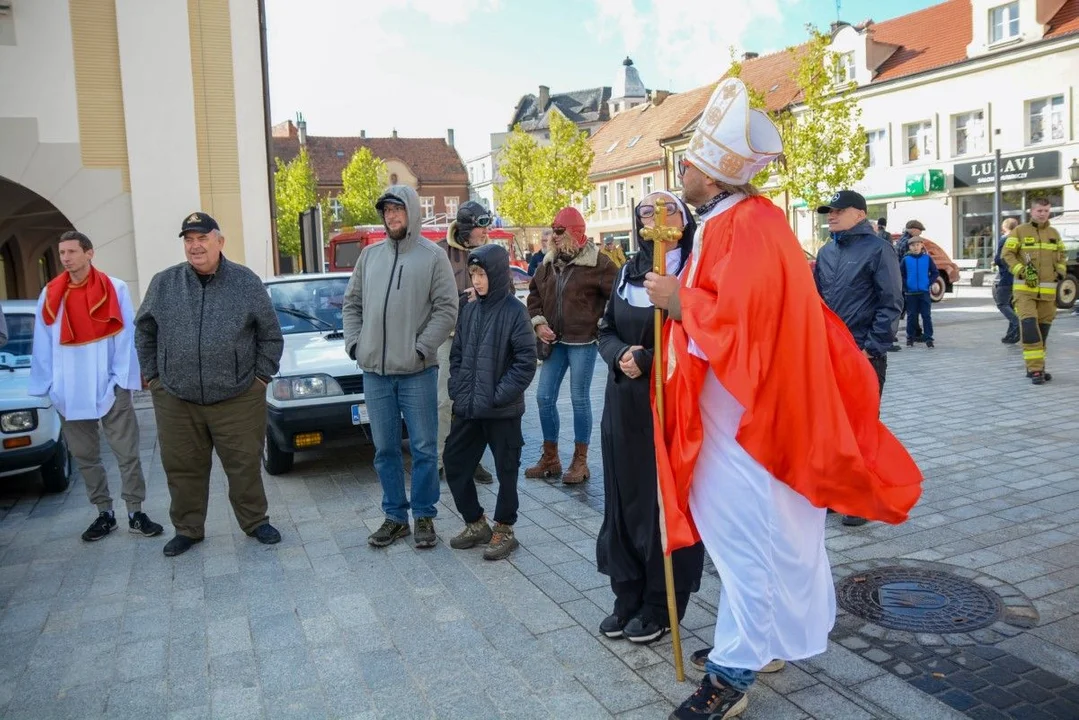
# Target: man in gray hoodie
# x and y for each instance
(400, 306)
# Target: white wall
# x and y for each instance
(37, 74)
(155, 53)
(251, 136)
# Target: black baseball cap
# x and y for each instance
(198, 222)
(842, 200)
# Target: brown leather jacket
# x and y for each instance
(572, 301)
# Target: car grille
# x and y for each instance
(351, 384)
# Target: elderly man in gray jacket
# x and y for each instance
(400, 306)
(209, 343)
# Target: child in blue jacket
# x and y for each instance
(919, 273)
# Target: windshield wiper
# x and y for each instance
(305, 316)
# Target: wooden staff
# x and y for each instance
(661, 234)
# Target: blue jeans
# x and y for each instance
(580, 360)
(1002, 296)
(737, 678)
(388, 397)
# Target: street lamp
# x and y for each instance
(1073, 171)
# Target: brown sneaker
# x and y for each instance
(502, 543)
(425, 533)
(475, 533)
(549, 466)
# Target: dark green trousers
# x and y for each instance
(189, 434)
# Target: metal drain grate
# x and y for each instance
(919, 600)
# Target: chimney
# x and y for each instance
(838, 25)
(395, 133)
(449, 137)
(301, 127)
(544, 97)
(658, 96)
(363, 133)
(750, 56)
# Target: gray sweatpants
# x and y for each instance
(122, 433)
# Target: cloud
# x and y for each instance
(689, 40)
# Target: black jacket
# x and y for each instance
(493, 356)
(207, 342)
(857, 274)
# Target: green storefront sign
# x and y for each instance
(924, 183)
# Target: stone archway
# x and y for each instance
(29, 226)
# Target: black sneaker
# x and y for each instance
(425, 533)
(266, 534)
(389, 533)
(910, 343)
(612, 626)
(140, 524)
(853, 521)
(929, 344)
(99, 528)
(1010, 339)
(483, 475)
(179, 545)
(1038, 377)
(643, 631)
(894, 347)
(713, 701)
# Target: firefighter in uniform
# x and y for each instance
(1035, 254)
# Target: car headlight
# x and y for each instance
(303, 387)
(18, 421)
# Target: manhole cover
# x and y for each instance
(919, 600)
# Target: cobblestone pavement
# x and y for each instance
(324, 626)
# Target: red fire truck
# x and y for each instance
(345, 246)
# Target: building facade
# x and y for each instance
(119, 119)
(431, 166)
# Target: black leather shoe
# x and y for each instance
(266, 534)
(179, 545)
(853, 520)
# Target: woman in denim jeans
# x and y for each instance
(566, 299)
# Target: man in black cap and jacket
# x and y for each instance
(209, 343)
(857, 274)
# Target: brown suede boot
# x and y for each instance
(549, 466)
(578, 468)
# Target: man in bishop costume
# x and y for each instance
(771, 414)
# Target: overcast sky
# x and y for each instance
(422, 66)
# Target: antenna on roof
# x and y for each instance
(839, 10)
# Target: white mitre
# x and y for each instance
(733, 142)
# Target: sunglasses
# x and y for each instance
(682, 165)
(646, 211)
(482, 221)
(557, 230)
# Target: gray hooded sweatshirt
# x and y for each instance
(401, 302)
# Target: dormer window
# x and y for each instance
(1004, 23)
(844, 68)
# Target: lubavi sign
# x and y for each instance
(1016, 168)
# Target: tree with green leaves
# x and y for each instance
(538, 181)
(295, 191)
(823, 138)
(362, 182)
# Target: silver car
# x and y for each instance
(29, 426)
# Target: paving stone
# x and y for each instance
(821, 701)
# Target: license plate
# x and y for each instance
(359, 415)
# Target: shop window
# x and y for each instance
(979, 232)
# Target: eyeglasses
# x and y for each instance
(557, 230)
(682, 165)
(482, 221)
(646, 211)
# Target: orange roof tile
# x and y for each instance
(431, 159)
(773, 75)
(644, 126)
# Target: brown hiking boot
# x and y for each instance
(549, 465)
(578, 468)
(475, 533)
(502, 543)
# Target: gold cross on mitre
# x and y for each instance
(661, 234)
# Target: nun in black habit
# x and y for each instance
(628, 548)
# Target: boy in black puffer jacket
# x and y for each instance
(492, 363)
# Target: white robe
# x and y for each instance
(766, 541)
(79, 379)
